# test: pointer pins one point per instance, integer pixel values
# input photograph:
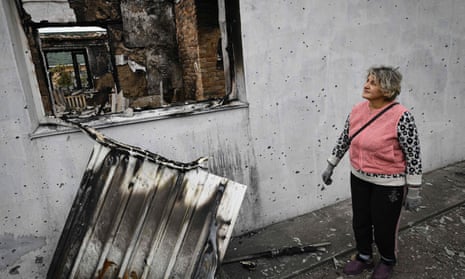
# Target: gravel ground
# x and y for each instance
(433, 249)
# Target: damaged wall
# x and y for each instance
(305, 65)
(309, 69)
(163, 52)
(149, 29)
(198, 41)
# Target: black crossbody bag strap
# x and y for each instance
(371, 121)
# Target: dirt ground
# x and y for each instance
(432, 249)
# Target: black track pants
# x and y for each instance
(376, 213)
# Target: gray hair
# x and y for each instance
(389, 80)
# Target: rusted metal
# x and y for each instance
(278, 252)
(137, 215)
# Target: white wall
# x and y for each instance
(305, 64)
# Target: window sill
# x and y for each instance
(49, 129)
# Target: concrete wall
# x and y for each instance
(305, 64)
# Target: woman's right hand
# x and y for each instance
(327, 174)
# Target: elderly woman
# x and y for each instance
(385, 169)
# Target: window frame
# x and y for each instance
(76, 66)
(234, 98)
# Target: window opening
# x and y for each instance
(135, 56)
(73, 78)
(68, 70)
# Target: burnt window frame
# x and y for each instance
(76, 66)
(90, 38)
(233, 98)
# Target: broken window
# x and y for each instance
(78, 68)
(132, 55)
(68, 68)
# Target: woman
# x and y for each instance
(385, 168)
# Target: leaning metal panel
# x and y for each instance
(135, 217)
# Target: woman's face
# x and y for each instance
(372, 90)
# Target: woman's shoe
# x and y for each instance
(382, 271)
(357, 266)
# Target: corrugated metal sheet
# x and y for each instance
(137, 215)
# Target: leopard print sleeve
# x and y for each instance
(410, 143)
(342, 145)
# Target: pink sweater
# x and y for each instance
(376, 149)
(387, 152)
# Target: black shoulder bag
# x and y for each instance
(371, 121)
